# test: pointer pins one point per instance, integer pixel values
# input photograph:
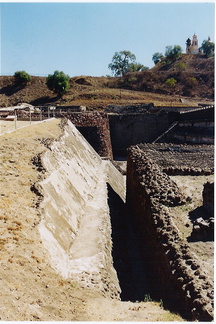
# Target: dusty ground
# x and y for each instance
(192, 186)
(8, 126)
(30, 289)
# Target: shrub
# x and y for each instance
(132, 80)
(179, 67)
(192, 82)
(22, 77)
(171, 82)
(58, 82)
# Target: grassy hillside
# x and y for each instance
(195, 83)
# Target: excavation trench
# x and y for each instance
(128, 259)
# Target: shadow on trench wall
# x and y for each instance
(131, 267)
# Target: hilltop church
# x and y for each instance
(192, 48)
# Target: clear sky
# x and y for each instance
(81, 38)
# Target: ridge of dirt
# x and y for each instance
(30, 289)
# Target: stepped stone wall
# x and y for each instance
(181, 283)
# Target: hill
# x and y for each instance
(194, 77)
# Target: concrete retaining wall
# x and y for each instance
(75, 226)
(180, 283)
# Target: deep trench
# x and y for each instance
(132, 268)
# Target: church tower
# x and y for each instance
(194, 46)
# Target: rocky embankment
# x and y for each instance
(182, 283)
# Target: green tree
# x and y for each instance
(157, 57)
(188, 42)
(22, 77)
(136, 67)
(173, 53)
(58, 82)
(207, 47)
(121, 62)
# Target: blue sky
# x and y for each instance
(81, 38)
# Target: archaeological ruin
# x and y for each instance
(117, 215)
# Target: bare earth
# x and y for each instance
(193, 186)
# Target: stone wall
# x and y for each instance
(181, 159)
(201, 114)
(130, 129)
(180, 282)
(195, 132)
(95, 128)
(128, 109)
(208, 198)
(124, 126)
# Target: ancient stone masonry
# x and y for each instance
(130, 129)
(198, 114)
(159, 184)
(193, 125)
(94, 126)
(208, 198)
(180, 281)
(181, 159)
(129, 109)
(203, 227)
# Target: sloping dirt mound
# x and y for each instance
(36, 91)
